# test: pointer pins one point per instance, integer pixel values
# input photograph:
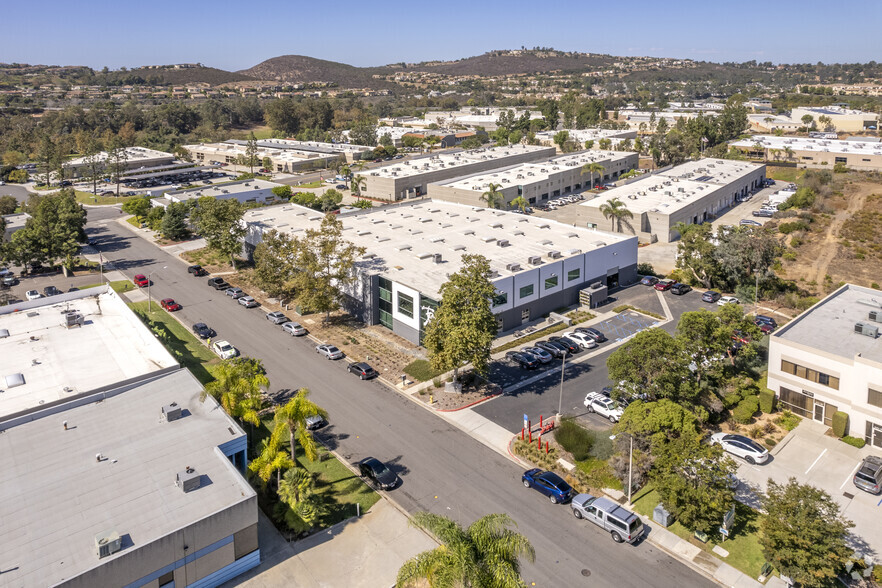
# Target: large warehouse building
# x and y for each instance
(538, 265)
(581, 136)
(819, 153)
(843, 120)
(133, 158)
(536, 182)
(115, 472)
(691, 193)
(410, 178)
(286, 155)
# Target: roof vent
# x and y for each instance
(107, 543)
(513, 267)
(502, 243)
(172, 412)
(535, 260)
(437, 258)
(14, 380)
(4, 333)
(554, 255)
(860, 328)
(188, 480)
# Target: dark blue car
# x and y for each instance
(549, 484)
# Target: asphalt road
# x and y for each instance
(442, 469)
(19, 191)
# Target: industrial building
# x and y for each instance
(133, 158)
(842, 119)
(536, 182)
(245, 191)
(115, 472)
(285, 155)
(691, 193)
(538, 265)
(840, 370)
(485, 117)
(819, 153)
(13, 222)
(582, 136)
(446, 138)
(410, 178)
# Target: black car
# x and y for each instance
(680, 289)
(51, 291)
(593, 333)
(527, 362)
(362, 370)
(374, 469)
(766, 320)
(203, 331)
(710, 296)
(570, 345)
(197, 270)
(555, 349)
(218, 283)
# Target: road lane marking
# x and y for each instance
(816, 461)
(851, 476)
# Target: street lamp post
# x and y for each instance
(149, 299)
(563, 362)
(630, 462)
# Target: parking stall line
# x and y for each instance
(851, 476)
(816, 461)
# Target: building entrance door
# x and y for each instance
(819, 411)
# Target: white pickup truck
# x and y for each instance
(597, 402)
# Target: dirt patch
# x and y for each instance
(451, 400)
(760, 429)
(212, 261)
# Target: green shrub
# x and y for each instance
(645, 269)
(787, 420)
(840, 424)
(854, 441)
(575, 439)
(767, 400)
(421, 370)
(788, 228)
(795, 242)
(533, 454)
(789, 255)
(743, 413)
(770, 442)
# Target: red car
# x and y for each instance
(664, 285)
(599, 187)
(141, 280)
(169, 304)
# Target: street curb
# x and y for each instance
(687, 562)
(491, 397)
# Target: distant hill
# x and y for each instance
(293, 69)
(496, 63)
(179, 77)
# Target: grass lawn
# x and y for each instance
(133, 220)
(745, 553)
(182, 344)
(87, 198)
(118, 286)
(599, 473)
(208, 257)
(307, 185)
(784, 174)
(421, 370)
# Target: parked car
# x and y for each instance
(649, 281)
(605, 407)
(727, 300)
(33, 295)
(376, 471)
(224, 349)
(169, 304)
(749, 223)
(570, 345)
(203, 331)
(549, 484)
(663, 285)
(680, 289)
(248, 301)
(234, 293)
(764, 213)
(540, 354)
(341, 187)
(362, 370)
(554, 349)
(295, 329)
(329, 351)
(277, 318)
(315, 422)
(10, 280)
(710, 296)
(761, 318)
(51, 291)
(197, 270)
(765, 328)
(741, 446)
(141, 281)
(218, 283)
(524, 360)
(869, 476)
(584, 341)
(622, 524)
(593, 333)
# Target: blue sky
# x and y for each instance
(237, 35)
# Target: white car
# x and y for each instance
(224, 350)
(727, 300)
(607, 407)
(329, 351)
(584, 341)
(741, 446)
(248, 302)
(296, 329)
(33, 295)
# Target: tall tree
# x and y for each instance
(94, 160)
(300, 507)
(358, 184)
(325, 262)
(272, 458)
(618, 212)
(493, 197)
(274, 265)
(291, 418)
(487, 553)
(464, 326)
(138, 206)
(220, 223)
(117, 158)
(237, 386)
(54, 231)
(593, 168)
(745, 254)
(695, 253)
(560, 139)
(519, 202)
(8, 204)
(251, 151)
(654, 363)
(174, 223)
(804, 534)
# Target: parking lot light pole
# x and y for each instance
(563, 363)
(630, 462)
(149, 299)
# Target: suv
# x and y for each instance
(234, 293)
(606, 407)
(869, 477)
(622, 524)
(549, 484)
(710, 296)
(218, 283)
(592, 332)
(680, 289)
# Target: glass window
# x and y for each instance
(405, 305)
(500, 299)
(573, 275)
(526, 291)
(797, 402)
(550, 282)
(874, 397)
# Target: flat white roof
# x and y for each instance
(530, 173)
(278, 149)
(241, 187)
(582, 135)
(56, 496)
(808, 144)
(15, 221)
(430, 163)
(714, 171)
(834, 111)
(401, 240)
(133, 154)
(57, 362)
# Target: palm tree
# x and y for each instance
(237, 386)
(432, 140)
(788, 153)
(520, 202)
(273, 458)
(616, 210)
(292, 418)
(298, 504)
(593, 168)
(487, 553)
(492, 196)
(358, 183)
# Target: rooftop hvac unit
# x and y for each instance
(107, 543)
(513, 267)
(73, 319)
(188, 480)
(876, 316)
(502, 243)
(866, 329)
(172, 412)
(535, 260)
(554, 254)
(437, 258)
